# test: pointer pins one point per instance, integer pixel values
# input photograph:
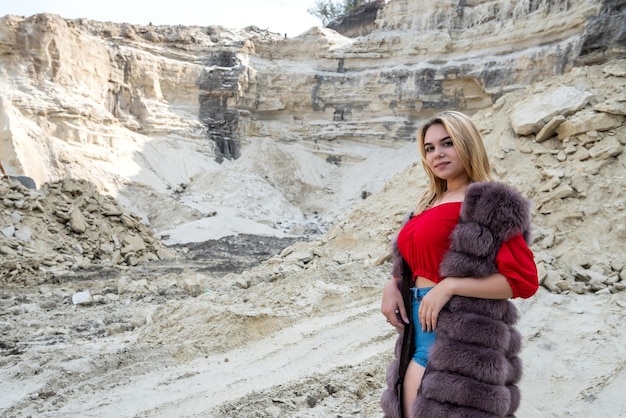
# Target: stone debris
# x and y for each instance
(530, 116)
(65, 226)
(81, 298)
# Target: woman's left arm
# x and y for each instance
(495, 286)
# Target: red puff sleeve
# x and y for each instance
(516, 262)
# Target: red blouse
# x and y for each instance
(424, 240)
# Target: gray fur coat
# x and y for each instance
(474, 366)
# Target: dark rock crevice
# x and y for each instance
(605, 35)
(358, 22)
(218, 87)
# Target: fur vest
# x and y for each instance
(473, 367)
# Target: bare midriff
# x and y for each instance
(423, 282)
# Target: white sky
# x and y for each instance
(282, 16)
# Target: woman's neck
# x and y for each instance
(456, 188)
(454, 193)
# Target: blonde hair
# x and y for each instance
(469, 146)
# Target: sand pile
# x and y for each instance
(66, 226)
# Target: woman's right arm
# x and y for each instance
(392, 303)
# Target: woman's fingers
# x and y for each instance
(425, 319)
(432, 303)
(395, 319)
(402, 314)
(392, 306)
(428, 317)
(394, 313)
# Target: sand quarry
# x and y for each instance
(224, 316)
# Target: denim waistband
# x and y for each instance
(417, 293)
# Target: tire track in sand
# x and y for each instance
(312, 345)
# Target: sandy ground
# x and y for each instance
(324, 358)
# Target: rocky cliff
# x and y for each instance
(101, 85)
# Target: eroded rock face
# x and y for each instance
(218, 85)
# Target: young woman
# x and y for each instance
(464, 252)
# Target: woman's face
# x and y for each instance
(441, 155)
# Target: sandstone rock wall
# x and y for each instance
(99, 84)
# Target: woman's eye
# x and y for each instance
(449, 144)
(429, 149)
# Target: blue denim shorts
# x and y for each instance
(423, 339)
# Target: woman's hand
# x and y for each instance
(432, 303)
(393, 306)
